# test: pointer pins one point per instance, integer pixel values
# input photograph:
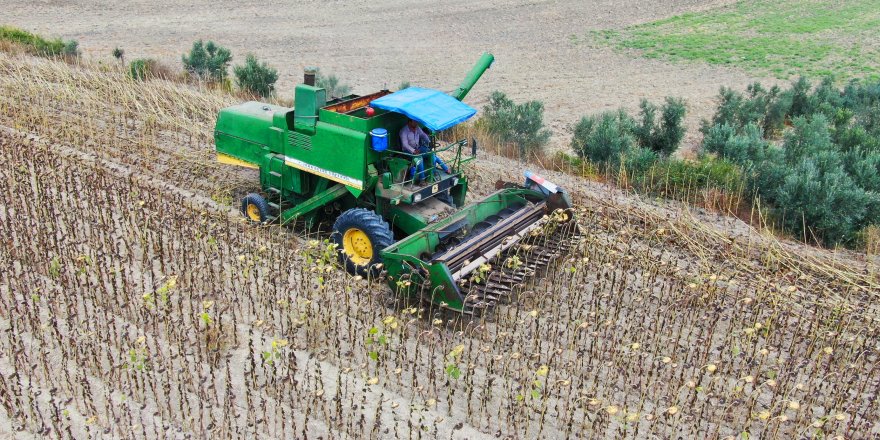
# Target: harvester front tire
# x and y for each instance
(359, 235)
(255, 208)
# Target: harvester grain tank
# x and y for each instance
(340, 159)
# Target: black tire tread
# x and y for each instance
(260, 201)
(373, 225)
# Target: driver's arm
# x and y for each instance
(423, 138)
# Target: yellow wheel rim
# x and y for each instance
(357, 246)
(253, 212)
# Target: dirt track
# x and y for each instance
(542, 47)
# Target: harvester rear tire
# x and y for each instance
(359, 235)
(255, 208)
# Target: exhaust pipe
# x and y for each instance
(309, 76)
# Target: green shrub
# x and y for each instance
(820, 201)
(637, 154)
(330, 83)
(605, 138)
(664, 136)
(744, 148)
(727, 112)
(856, 138)
(716, 138)
(764, 178)
(756, 106)
(143, 69)
(827, 94)
(761, 107)
(528, 127)
(671, 131)
(71, 48)
(37, 45)
(864, 168)
(138, 69)
(823, 182)
(498, 116)
(809, 137)
(777, 115)
(208, 61)
(831, 150)
(801, 101)
(864, 101)
(520, 124)
(644, 130)
(615, 139)
(255, 77)
(639, 160)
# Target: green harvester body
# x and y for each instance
(316, 159)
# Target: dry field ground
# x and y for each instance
(542, 47)
(136, 304)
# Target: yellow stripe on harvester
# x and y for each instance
(327, 174)
(229, 160)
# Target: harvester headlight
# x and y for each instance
(417, 198)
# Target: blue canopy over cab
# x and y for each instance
(432, 108)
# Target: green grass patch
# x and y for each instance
(781, 38)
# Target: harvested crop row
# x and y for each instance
(150, 293)
(163, 306)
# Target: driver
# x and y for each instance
(413, 140)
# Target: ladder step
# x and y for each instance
(274, 174)
(273, 205)
(273, 189)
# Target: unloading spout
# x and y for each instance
(473, 76)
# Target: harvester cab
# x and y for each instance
(397, 214)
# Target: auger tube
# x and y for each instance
(473, 76)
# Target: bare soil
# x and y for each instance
(649, 329)
(542, 48)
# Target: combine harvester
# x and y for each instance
(341, 159)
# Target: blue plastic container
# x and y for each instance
(380, 139)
